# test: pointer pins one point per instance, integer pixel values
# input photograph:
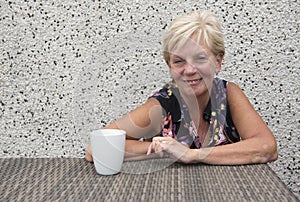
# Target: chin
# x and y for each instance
(192, 90)
(195, 91)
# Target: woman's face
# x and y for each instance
(193, 67)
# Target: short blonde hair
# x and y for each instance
(203, 24)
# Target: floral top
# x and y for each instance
(178, 124)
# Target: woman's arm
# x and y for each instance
(258, 144)
(143, 122)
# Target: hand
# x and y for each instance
(170, 147)
(88, 154)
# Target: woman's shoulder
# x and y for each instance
(232, 87)
(229, 85)
(167, 91)
(235, 95)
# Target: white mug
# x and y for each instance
(108, 147)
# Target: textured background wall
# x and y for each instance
(69, 66)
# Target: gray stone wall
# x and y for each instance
(70, 66)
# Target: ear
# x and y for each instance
(220, 57)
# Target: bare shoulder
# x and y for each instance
(245, 117)
(238, 102)
(235, 93)
(237, 99)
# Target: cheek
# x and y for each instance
(176, 73)
(207, 70)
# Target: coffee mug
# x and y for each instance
(108, 147)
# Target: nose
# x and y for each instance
(190, 68)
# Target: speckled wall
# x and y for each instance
(70, 66)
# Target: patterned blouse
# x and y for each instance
(178, 124)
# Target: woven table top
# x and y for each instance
(74, 179)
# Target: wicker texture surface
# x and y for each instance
(74, 179)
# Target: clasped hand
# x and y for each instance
(167, 146)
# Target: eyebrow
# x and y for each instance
(173, 55)
(201, 53)
(195, 55)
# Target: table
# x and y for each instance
(75, 179)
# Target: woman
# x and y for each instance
(197, 117)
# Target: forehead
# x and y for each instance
(189, 47)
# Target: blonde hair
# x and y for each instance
(202, 24)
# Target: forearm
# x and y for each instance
(134, 150)
(249, 151)
(135, 147)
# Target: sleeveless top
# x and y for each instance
(176, 122)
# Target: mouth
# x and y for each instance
(193, 82)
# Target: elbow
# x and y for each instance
(88, 154)
(272, 152)
(265, 152)
(268, 153)
(273, 156)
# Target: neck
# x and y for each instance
(203, 101)
(196, 105)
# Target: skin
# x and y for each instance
(257, 144)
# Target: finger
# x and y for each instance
(150, 149)
(158, 139)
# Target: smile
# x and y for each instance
(193, 82)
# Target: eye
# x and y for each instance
(177, 61)
(201, 59)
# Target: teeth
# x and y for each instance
(193, 81)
